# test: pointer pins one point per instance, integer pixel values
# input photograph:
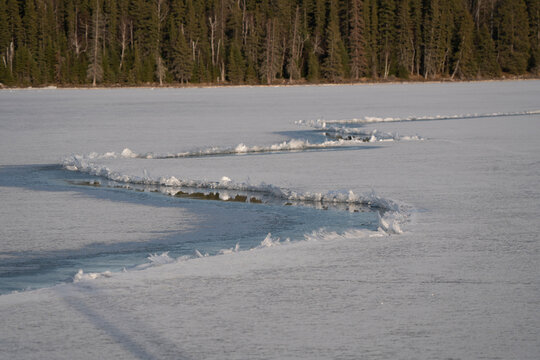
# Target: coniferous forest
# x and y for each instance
(171, 42)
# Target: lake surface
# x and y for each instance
(243, 219)
(408, 239)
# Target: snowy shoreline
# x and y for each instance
(225, 86)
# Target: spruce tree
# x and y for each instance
(333, 65)
(464, 63)
(533, 8)
(512, 34)
(386, 20)
(271, 64)
(30, 24)
(5, 74)
(95, 68)
(23, 66)
(357, 40)
(416, 19)
(313, 67)
(405, 40)
(251, 74)
(4, 28)
(486, 54)
(372, 30)
(48, 56)
(145, 35)
(181, 61)
(296, 47)
(15, 24)
(236, 64)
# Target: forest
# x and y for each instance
(173, 42)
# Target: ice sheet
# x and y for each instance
(460, 282)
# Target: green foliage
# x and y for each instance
(486, 55)
(4, 27)
(513, 36)
(313, 66)
(236, 66)
(333, 63)
(463, 61)
(181, 61)
(261, 41)
(14, 22)
(533, 8)
(386, 32)
(357, 39)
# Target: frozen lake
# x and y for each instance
(64, 239)
(398, 238)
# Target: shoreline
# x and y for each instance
(299, 84)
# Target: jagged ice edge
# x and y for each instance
(322, 124)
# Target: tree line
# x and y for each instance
(130, 42)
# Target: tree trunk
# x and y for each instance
(96, 45)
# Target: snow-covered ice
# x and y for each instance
(453, 271)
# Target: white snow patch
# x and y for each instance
(82, 164)
(322, 124)
(231, 250)
(158, 260)
(82, 276)
(127, 153)
(269, 241)
(390, 222)
(200, 255)
(323, 235)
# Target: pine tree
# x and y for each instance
(15, 23)
(111, 60)
(405, 40)
(357, 40)
(512, 34)
(95, 68)
(145, 35)
(297, 40)
(483, 12)
(463, 62)
(386, 19)
(135, 75)
(23, 66)
(124, 35)
(332, 65)
(438, 34)
(251, 74)
(271, 64)
(48, 58)
(30, 24)
(319, 20)
(161, 10)
(181, 61)
(236, 65)
(4, 27)
(5, 73)
(313, 67)
(486, 55)
(372, 31)
(416, 19)
(533, 8)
